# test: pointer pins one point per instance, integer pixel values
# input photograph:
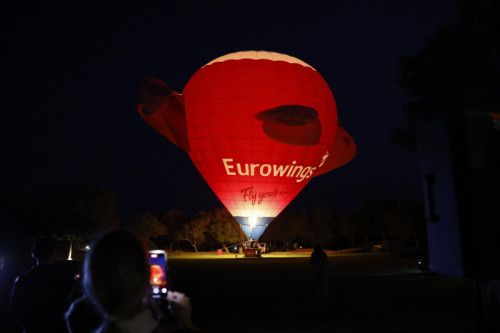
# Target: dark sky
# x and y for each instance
(70, 82)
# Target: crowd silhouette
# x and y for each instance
(112, 295)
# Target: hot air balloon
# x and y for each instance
(257, 125)
(157, 276)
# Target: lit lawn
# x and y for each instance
(214, 255)
(276, 254)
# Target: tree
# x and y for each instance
(371, 216)
(386, 219)
(319, 226)
(174, 221)
(148, 228)
(457, 69)
(287, 228)
(350, 229)
(224, 228)
(71, 215)
(74, 214)
(195, 231)
(406, 222)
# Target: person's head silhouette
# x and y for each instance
(116, 274)
(318, 248)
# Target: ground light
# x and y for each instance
(70, 253)
(252, 220)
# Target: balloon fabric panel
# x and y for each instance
(228, 143)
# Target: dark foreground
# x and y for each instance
(369, 293)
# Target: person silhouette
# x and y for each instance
(319, 261)
(82, 316)
(41, 295)
(116, 281)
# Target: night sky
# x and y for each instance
(70, 84)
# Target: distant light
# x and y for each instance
(156, 290)
(87, 247)
(235, 248)
(300, 246)
(164, 290)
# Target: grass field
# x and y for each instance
(274, 254)
(369, 293)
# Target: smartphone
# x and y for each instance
(158, 273)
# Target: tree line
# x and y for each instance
(75, 215)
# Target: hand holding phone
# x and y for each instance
(180, 306)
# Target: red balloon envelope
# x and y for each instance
(257, 125)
